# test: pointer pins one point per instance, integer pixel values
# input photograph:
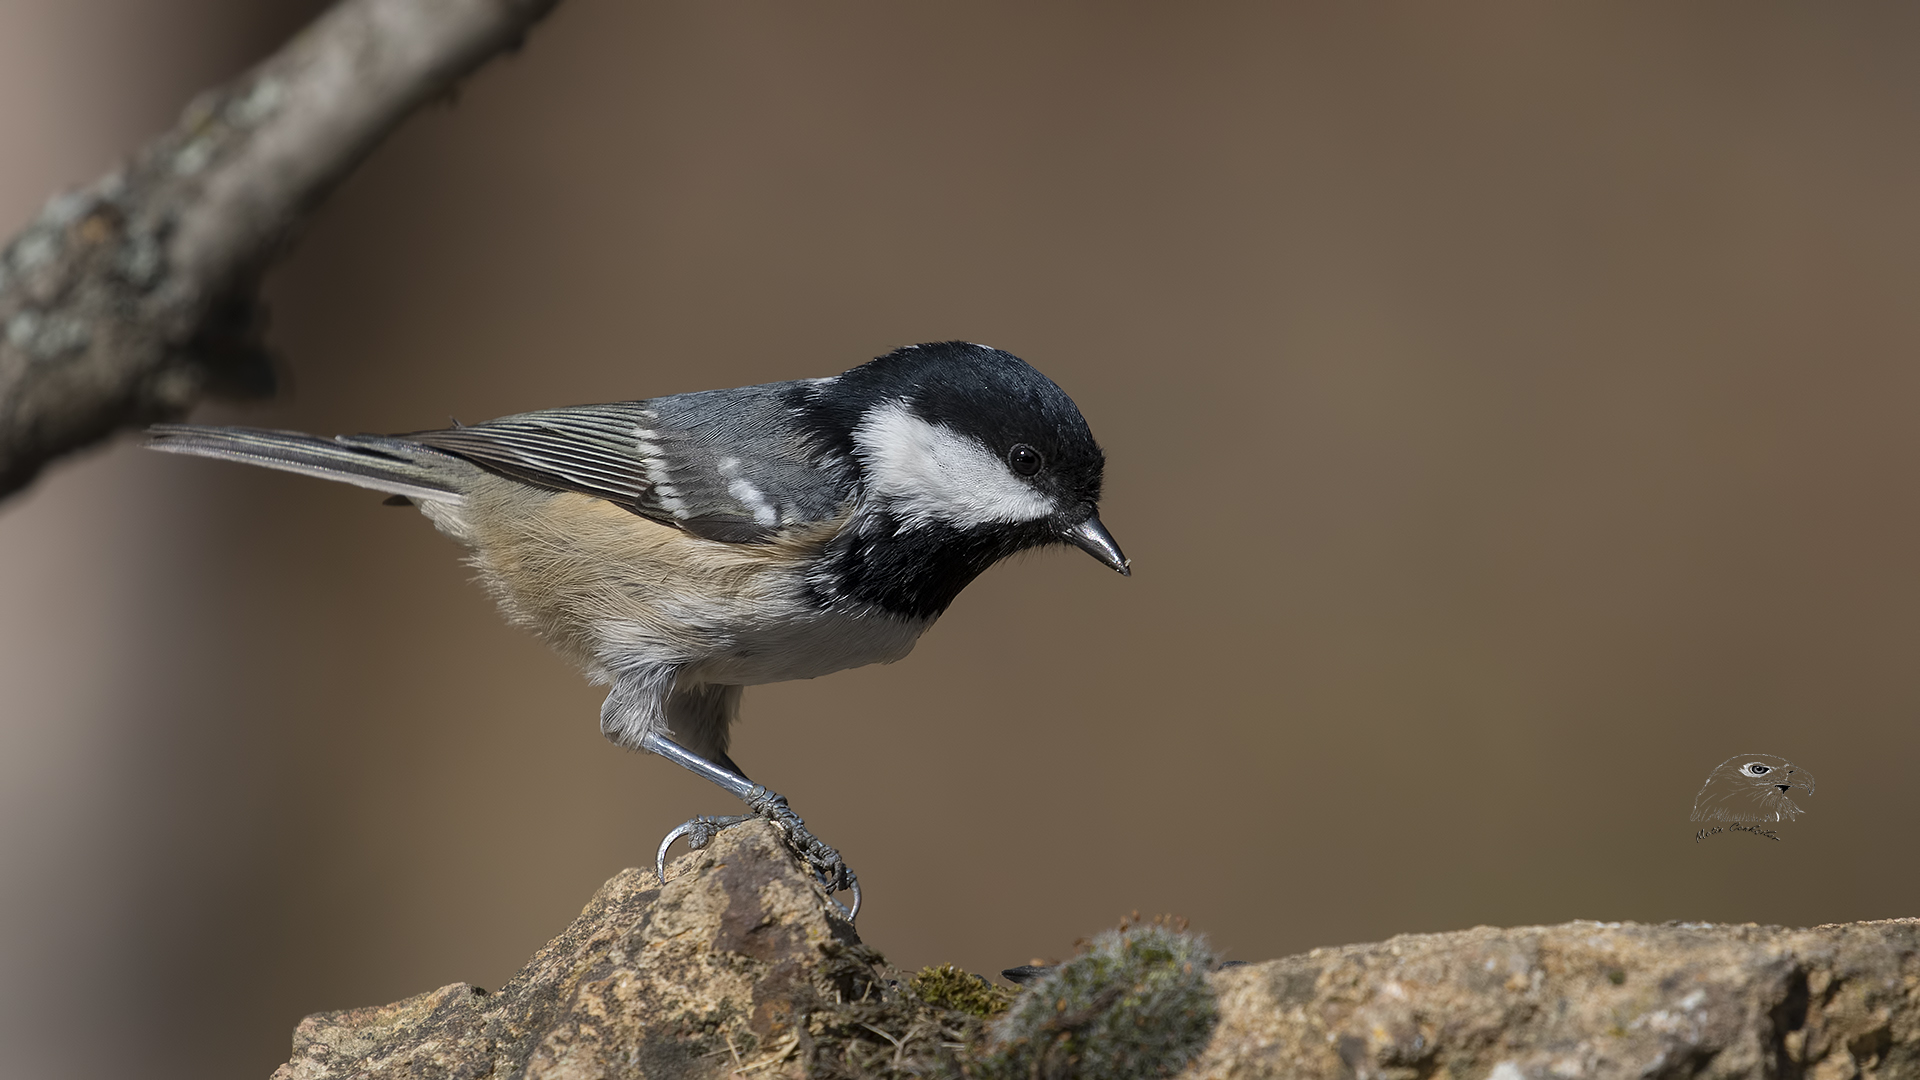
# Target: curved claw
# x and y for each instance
(833, 874)
(844, 881)
(854, 885)
(699, 833)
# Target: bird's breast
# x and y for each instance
(617, 591)
(805, 644)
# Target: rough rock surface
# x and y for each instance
(695, 979)
(1583, 999)
(739, 965)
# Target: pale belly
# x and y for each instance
(808, 646)
(622, 594)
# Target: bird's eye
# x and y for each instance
(1024, 459)
(1758, 769)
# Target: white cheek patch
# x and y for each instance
(927, 473)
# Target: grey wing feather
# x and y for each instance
(724, 464)
(395, 466)
(591, 449)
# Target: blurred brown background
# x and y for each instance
(1509, 415)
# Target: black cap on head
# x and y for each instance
(1049, 487)
(995, 397)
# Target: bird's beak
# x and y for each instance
(1093, 538)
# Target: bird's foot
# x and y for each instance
(699, 833)
(832, 872)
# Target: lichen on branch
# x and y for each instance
(130, 300)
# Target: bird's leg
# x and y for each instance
(834, 874)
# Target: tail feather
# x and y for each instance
(395, 466)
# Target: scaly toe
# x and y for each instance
(699, 833)
(832, 871)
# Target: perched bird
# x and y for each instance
(683, 547)
(1751, 787)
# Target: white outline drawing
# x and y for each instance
(1752, 787)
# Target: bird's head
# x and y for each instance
(1752, 787)
(966, 455)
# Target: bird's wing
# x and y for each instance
(723, 464)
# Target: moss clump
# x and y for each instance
(870, 1021)
(1135, 1004)
(948, 987)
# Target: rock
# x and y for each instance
(696, 979)
(1582, 999)
(741, 965)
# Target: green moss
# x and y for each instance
(948, 987)
(1135, 1004)
(877, 1023)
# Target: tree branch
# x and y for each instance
(130, 300)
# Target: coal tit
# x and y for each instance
(681, 548)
